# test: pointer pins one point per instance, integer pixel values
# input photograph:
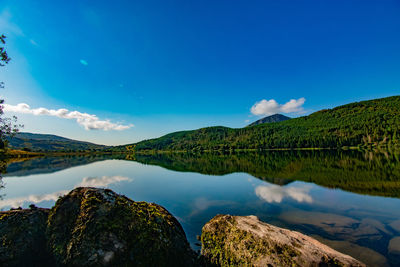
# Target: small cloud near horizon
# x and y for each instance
(271, 107)
(88, 121)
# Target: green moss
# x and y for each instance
(102, 221)
(224, 244)
(332, 262)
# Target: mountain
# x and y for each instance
(361, 124)
(49, 142)
(272, 118)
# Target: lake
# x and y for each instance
(347, 200)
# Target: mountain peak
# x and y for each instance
(269, 119)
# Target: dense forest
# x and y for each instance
(373, 123)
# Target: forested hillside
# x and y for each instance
(368, 124)
(49, 143)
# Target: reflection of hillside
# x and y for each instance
(211, 164)
(50, 164)
(377, 174)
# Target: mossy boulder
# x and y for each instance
(246, 241)
(23, 239)
(97, 227)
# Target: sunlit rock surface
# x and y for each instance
(244, 240)
(94, 227)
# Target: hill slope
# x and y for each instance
(269, 119)
(48, 142)
(367, 123)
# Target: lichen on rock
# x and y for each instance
(95, 227)
(246, 241)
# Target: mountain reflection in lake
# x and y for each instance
(361, 217)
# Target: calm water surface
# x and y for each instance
(359, 214)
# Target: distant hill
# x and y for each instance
(361, 124)
(49, 142)
(269, 119)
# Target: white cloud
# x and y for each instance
(88, 121)
(270, 107)
(86, 182)
(275, 193)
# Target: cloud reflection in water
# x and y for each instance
(275, 194)
(102, 181)
(86, 182)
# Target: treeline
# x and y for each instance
(374, 123)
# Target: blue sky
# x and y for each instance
(134, 70)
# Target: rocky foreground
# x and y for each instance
(246, 241)
(97, 227)
(94, 227)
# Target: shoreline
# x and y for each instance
(14, 154)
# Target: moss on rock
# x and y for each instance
(91, 227)
(245, 241)
(22, 238)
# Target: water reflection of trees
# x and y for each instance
(376, 174)
(366, 173)
(50, 164)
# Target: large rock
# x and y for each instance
(97, 227)
(246, 241)
(23, 239)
